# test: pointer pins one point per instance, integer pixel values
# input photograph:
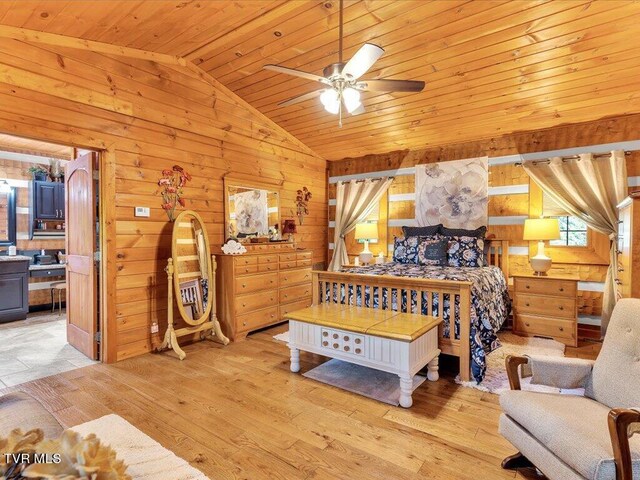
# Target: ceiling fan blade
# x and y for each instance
(297, 73)
(391, 85)
(362, 61)
(301, 98)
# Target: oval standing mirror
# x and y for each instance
(192, 268)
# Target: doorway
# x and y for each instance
(49, 259)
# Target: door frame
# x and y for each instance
(107, 270)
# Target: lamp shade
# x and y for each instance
(366, 231)
(538, 229)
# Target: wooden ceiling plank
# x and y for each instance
(27, 146)
(497, 72)
(117, 11)
(254, 27)
(43, 14)
(382, 66)
(64, 41)
(315, 48)
(491, 67)
(232, 16)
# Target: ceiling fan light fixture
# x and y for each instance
(351, 98)
(331, 100)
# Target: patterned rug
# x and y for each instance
(495, 380)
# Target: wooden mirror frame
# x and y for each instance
(236, 181)
(176, 280)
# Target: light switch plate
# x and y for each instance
(154, 328)
(142, 212)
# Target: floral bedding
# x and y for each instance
(490, 302)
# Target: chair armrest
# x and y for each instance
(512, 363)
(560, 372)
(620, 420)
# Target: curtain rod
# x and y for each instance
(365, 179)
(568, 157)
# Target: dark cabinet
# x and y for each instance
(48, 200)
(14, 285)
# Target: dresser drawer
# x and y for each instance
(288, 265)
(273, 259)
(244, 260)
(246, 269)
(545, 326)
(303, 256)
(287, 308)
(297, 292)
(255, 320)
(538, 305)
(267, 267)
(546, 286)
(303, 263)
(293, 277)
(256, 301)
(288, 257)
(256, 282)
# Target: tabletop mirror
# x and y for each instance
(252, 210)
(191, 279)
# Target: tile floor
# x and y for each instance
(36, 347)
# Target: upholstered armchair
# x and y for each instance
(580, 437)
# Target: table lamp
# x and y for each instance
(539, 230)
(366, 232)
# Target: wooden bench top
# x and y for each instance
(371, 321)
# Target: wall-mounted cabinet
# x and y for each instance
(47, 209)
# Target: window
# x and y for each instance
(573, 232)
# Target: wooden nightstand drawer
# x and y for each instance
(546, 286)
(545, 327)
(540, 305)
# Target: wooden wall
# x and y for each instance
(149, 116)
(506, 210)
(39, 288)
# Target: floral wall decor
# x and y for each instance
(171, 185)
(302, 203)
(453, 193)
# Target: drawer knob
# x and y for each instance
(325, 343)
(246, 270)
(244, 324)
(325, 334)
(561, 329)
(528, 287)
(244, 304)
(335, 335)
(527, 305)
(561, 289)
(273, 315)
(358, 341)
(561, 307)
(527, 324)
(358, 350)
(346, 348)
(285, 279)
(346, 338)
(335, 345)
(244, 285)
(286, 296)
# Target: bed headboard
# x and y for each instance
(498, 255)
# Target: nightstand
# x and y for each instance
(546, 307)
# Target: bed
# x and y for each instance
(479, 296)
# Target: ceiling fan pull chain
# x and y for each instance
(340, 39)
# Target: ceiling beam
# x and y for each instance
(27, 35)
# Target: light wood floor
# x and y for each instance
(237, 412)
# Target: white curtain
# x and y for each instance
(354, 202)
(589, 188)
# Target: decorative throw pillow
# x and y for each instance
(433, 251)
(421, 231)
(465, 252)
(405, 250)
(479, 232)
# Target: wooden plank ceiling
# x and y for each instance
(10, 143)
(492, 67)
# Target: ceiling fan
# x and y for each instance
(343, 80)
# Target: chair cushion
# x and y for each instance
(574, 428)
(19, 410)
(616, 373)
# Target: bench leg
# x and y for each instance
(295, 360)
(406, 389)
(432, 370)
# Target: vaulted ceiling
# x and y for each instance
(491, 67)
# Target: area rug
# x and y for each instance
(145, 458)
(496, 380)
(368, 382)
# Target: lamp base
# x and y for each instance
(540, 265)
(366, 257)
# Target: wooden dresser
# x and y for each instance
(260, 287)
(628, 256)
(546, 307)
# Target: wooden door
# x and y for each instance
(82, 285)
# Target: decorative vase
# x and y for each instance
(300, 218)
